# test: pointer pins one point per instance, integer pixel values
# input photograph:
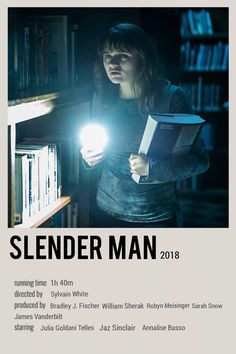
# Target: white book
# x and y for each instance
(34, 145)
(167, 134)
(21, 191)
(37, 173)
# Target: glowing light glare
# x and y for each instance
(93, 137)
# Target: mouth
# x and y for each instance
(115, 72)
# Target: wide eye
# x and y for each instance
(106, 58)
(124, 56)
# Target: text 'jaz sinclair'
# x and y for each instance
(83, 247)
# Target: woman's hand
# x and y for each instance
(92, 157)
(139, 164)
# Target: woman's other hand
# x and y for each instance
(139, 164)
(92, 157)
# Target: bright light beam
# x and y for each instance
(93, 137)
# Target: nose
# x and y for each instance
(115, 61)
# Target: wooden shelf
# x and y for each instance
(33, 98)
(46, 213)
(33, 107)
(23, 109)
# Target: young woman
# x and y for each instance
(127, 90)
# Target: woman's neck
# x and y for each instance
(127, 92)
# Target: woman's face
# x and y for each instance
(121, 66)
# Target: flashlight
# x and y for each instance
(93, 137)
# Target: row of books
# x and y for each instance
(204, 96)
(196, 23)
(204, 57)
(44, 167)
(47, 52)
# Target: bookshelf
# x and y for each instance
(25, 111)
(45, 99)
(204, 52)
(45, 214)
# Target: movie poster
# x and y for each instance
(74, 280)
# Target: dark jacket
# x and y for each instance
(154, 199)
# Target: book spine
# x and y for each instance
(200, 57)
(26, 57)
(46, 177)
(51, 174)
(187, 55)
(34, 186)
(55, 173)
(220, 55)
(199, 92)
(193, 54)
(26, 207)
(192, 22)
(225, 61)
(72, 58)
(209, 57)
(18, 192)
(30, 193)
(59, 174)
(209, 28)
(213, 66)
(199, 23)
(203, 21)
